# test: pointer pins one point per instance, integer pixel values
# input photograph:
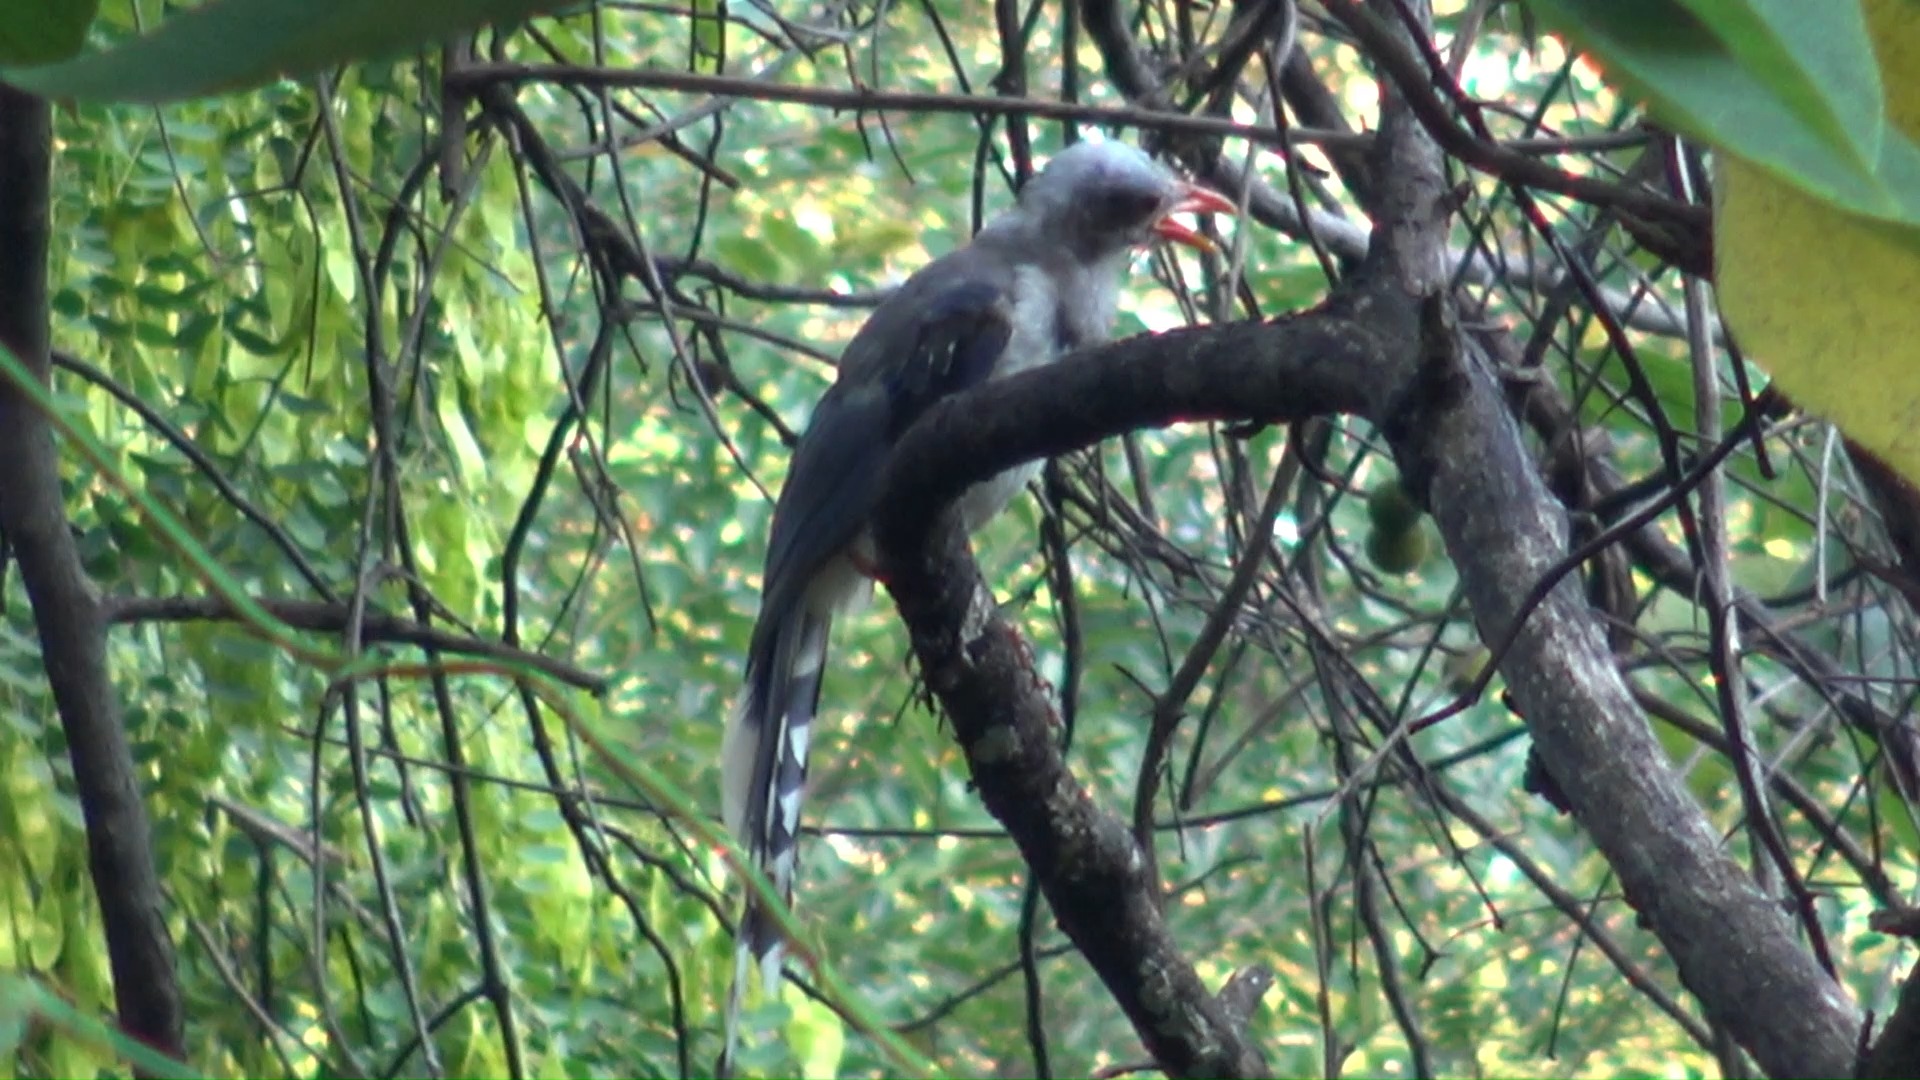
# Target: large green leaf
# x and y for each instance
(1823, 298)
(1817, 57)
(232, 44)
(43, 32)
(1794, 88)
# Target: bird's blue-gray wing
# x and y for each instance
(924, 344)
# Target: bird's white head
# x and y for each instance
(1103, 198)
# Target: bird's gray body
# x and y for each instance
(1038, 281)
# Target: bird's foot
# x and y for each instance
(1030, 663)
(866, 564)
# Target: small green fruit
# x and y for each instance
(1399, 552)
(1391, 509)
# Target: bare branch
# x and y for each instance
(66, 607)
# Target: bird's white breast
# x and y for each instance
(1034, 340)
(1041, 320)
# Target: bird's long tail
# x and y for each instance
(763, 772)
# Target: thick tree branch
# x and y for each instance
(1364, 352)
(1735, 947)
(1084, 859)
(66, 609)
(1086, 862)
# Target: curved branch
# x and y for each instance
(332, 617)
(1099, 884)
(1367, 351)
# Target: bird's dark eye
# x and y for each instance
(1122, 209)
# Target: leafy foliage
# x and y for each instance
(233, 44)
(478, 384)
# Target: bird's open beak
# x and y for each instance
(1198, 200)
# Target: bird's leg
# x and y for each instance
(864, 559)
(1041, 685)
(865, 564)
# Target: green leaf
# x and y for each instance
(1823, 300)
(817, 1037)
(1756, 94)
(43, 32)
(1817, 57)
(232, 44)
(20, 996)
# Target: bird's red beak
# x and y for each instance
(1198, 200)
